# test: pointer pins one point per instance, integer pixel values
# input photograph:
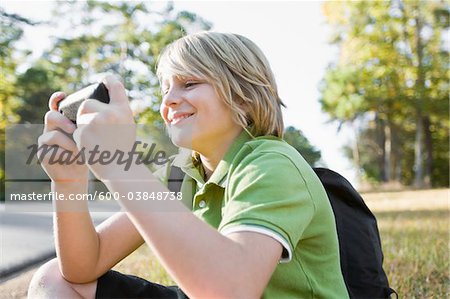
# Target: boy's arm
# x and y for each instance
(203, 262)
(84, 252)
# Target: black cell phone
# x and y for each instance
(69, 105)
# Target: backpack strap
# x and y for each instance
(175, 179)
(393, 293)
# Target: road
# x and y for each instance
(27, 236)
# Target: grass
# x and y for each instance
(143, 263)
(414, 228)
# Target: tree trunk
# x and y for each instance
(418, 149)
(398, 165)
(381, 141)
(397, 154)
(429, 152)
(420, 86)
(387, 152)
(355, 152)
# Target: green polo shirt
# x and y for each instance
(264, 185)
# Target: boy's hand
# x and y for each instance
(57, 133)
(108, 129)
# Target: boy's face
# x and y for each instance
(196, 116)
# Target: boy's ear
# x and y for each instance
(244, 106)
(240, 102)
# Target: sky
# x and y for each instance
(292, 34)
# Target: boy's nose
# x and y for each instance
(172, 98)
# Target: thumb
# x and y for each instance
(116, 90)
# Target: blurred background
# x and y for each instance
(366, 85)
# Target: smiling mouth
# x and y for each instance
(178, 119)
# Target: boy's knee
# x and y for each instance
(48, 282)
(45, 278)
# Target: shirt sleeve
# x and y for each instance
(162, 173)
(267, 194)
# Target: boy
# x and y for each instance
(255, 220)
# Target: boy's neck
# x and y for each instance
(216, 154)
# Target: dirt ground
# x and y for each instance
(16, 287)
(417, 200)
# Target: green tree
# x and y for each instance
(391, 74)
(297, 140)
(11, 32)
(121, 37)
(36, 85)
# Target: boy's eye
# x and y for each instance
(190, 84)
(164, 89)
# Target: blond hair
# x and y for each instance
(237, 69)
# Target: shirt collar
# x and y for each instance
(189, 162)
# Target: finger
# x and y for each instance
(57, 138)
(116, 90)
(56, 121)
(47, 152)
(53, 153)
(90, 106)
(77, 135)
(55, 99)
(86, 118)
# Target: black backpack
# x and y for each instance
(359, 240)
